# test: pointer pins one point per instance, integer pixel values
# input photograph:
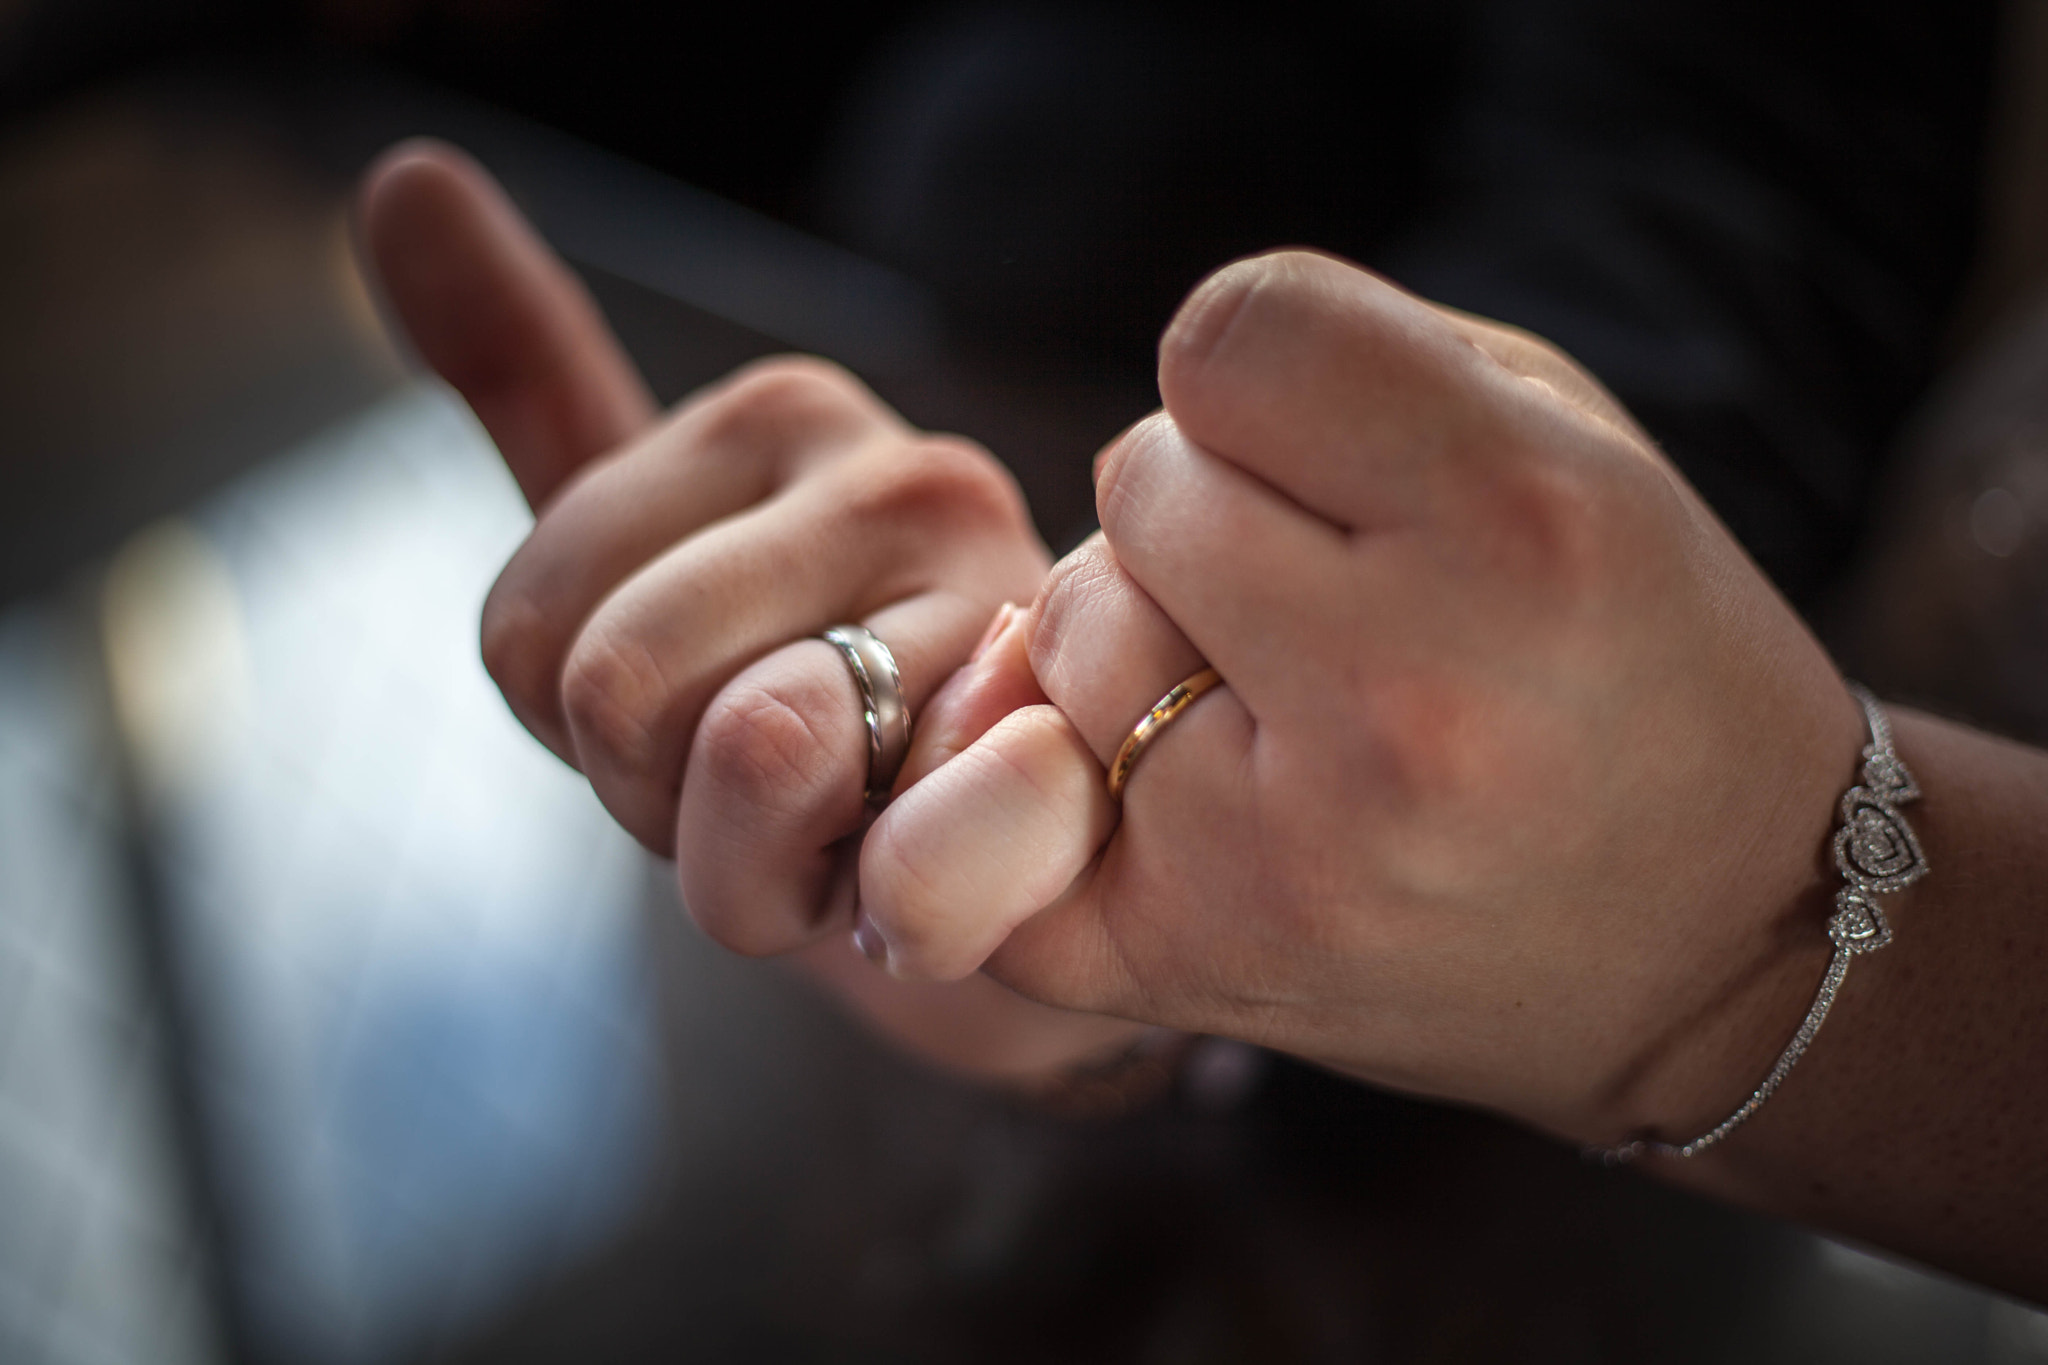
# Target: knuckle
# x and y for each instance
(895, 872)
(733, 911)
(911, 889)
(517, 651)
(944, 479)
(1248, 295)
(1121, 468)
(1205, 319)
(613, 695)
(1068, 597)
(1548, 358)
(808, 370)
(762, 747)
(732, 924)
(1536, 359)
(1552, 522)
(734, 917)
(1526, 351)
(1455, 745)
(783, 400)
(1431, 736)
(796, 382)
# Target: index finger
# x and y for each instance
(1227, 559)
(1347, 394)
(497, 314)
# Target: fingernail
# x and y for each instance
(867, 937)
(996, 626)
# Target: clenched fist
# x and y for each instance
(657, 629)
(1518, 789)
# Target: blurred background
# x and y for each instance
(338, 1024)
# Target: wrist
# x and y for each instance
(1739, 995)
(1916, 1123)
(1707, 1062)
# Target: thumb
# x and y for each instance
(931, 905)
(983, 843)
(497, 314)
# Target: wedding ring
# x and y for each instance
(881, 705)
(1151, 723)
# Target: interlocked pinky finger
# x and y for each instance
(983, 843)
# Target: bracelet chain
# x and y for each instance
(1876, 851)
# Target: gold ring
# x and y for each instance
(1151, 723)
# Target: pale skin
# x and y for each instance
(1518, 794)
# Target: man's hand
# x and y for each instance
(656, 629)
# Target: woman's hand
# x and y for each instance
(1519, 789)
(657, 628)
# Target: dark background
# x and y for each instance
(1753, 221)
(1756, 223)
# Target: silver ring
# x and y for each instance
(881, 704)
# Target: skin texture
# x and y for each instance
(1915, 1121)
(1518, 794)
(1497, 668)
(656, 628)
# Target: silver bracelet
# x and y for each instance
(1876, 852)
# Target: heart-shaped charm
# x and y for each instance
(1887, 777)
(1858, 924)
(1875, 848)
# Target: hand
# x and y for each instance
(1522, 779)
(656, 629)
